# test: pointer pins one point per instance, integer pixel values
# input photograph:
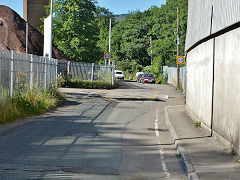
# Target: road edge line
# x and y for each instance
(188, 167)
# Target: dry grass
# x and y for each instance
(28, 103)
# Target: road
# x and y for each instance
(97, 134)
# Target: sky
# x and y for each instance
(115, 6)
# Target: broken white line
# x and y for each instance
(161, 151)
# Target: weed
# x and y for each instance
(198, 124)
(178, 155)
(60, 80)
(232, 153)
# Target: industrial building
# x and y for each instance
(213, 67)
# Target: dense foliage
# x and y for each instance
(81, 31)
(85, 84)
(131, 38)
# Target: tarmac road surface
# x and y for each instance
(98, 135)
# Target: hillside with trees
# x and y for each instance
(81, 32)
(131, 38)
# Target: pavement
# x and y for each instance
(202, 156)
(128, 133)
(96, 134)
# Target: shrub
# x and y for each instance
(29, 103)
(78, 83)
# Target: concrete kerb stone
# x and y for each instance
(188, 167)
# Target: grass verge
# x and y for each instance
(29, 103)
(77, 83)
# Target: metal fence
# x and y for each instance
(86, 71)
(18, 69)
(171, 73)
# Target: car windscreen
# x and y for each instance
(148, 75)
(118, 72)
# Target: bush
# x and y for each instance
(29, 103)
(78, 83)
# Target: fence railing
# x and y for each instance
(16, 68)
(171, 72)
(40, 72)
(86, 71)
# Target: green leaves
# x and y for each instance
(130, 41)
(81, 31)
(75, 30)
(131, 44)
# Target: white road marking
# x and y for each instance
(156, 129)
(161, 151)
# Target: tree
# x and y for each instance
(75, 29)
(102, 19)
(130, 41)
(165, 32)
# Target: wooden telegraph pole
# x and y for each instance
(110, 34)
(178, 48)
(151, 49)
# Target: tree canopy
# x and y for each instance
(131, 37)
(81, 31)
(78, 28)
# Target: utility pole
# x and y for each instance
(26, 38)
(110, 34)
(178, 48)
(151, 49)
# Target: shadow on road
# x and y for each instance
(137, 99)
(125, 85)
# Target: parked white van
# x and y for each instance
(118, 74)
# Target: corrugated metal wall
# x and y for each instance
(200, 17)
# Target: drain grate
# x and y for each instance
(76, 133)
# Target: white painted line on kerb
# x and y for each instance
(161, 151)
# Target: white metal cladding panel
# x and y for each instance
(199, 21)
(225, 14)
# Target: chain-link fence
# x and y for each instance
(25, 69)
(86, 71)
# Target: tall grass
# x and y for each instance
(30, 103)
